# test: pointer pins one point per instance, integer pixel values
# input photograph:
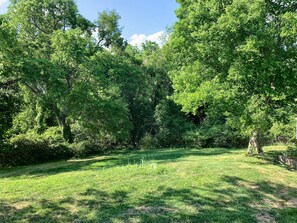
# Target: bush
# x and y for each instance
(25, 151)
(85, 148)
(215, 136)
(52, 135)
(292, 153)
(148, 142)
(33, 148)
(283, 132)
(195, 139)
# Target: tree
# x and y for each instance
(108, 31)
(234, 59)
(10, 99)
(57, 68)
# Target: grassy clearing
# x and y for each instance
(173, 185)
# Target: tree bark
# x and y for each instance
(254, 144)
(66, 130)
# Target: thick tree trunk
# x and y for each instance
(254, 144)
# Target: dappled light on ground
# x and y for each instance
(209, 185)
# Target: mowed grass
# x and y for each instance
(172, 185)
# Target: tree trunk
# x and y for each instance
(134, 139)
(66, 130)
(254, 144)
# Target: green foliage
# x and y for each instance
(130, 79)
(195, 139)
(292, 153)
(61, 81)
(9, 106)
(171, 124)
(148, 142)
(228, 70)
(30, 149)
(70, 81)
(10, 97)
(214, 136)
(109, 32)
(235, 58)
(284, 132)
(256, 115)
(86, 148)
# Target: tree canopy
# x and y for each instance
(236, 59)
(227, 71)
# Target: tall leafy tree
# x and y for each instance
(10, 99)
(109, 33)
(236, 59)
(57, 68)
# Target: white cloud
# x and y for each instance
(94, 33)
(138, 39)
(2, 2)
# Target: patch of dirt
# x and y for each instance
(21, 205)
(270, 202)
(284, 193)
(265, 218)
(292, 203)
(273, 203)
(248, 185)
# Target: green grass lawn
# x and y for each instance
(172, 185)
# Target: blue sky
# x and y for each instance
(141, 19)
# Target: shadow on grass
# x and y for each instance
(239, 201)
(104, 162)
(272, 157)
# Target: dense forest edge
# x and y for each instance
(226, 76)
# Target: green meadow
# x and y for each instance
(170, 185)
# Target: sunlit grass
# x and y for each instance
(172, 185)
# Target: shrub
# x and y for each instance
(148, 142)
(25, 151)
(215, 136)
(292, 153)
(283, 132)
(85, 148)
(195, 139)
(53, 135)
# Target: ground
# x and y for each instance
(172, 185)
